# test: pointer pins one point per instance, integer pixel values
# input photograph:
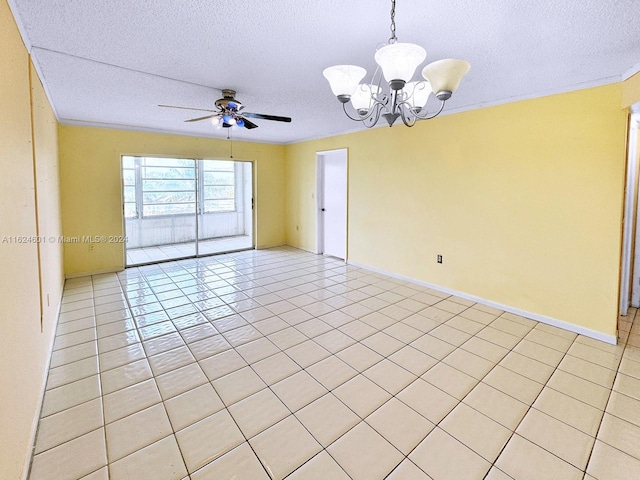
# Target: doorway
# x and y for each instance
(630, 264)
(180, 208)
(331, 202)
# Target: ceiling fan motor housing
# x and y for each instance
(228, 95)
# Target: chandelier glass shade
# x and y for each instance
(398, 95)
(399, 61)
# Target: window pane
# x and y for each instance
(168, 209)
(219, 206)
(218, 178)
(167, 162)
(130, 194)
(168, 197)
(129, 177)
(168, 172)
(128, 162)
(129, 210)
(167, 185)
(225, 165)
(214, 193)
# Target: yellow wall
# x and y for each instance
(91, 187)
(523, 200)
(28, 144)
(631, 90)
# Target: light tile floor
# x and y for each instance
(162, 253)
(283, 364)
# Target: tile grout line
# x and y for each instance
(604, 411)
(104, 425)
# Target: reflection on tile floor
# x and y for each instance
(162, 253)
(283, 364)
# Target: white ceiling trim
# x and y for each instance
(468, 108)
(118, 126)
(631, 72)
(136, 128)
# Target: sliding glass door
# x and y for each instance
(179, 208)
(225, 220)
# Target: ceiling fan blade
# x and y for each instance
(200, 118)
(266, 117)
(249, 124)
(188, 108)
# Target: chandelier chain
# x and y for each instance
(393, 38)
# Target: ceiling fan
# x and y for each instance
(230, 112)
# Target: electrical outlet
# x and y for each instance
(439, 258)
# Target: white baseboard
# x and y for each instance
(572, 327)
(264, 247)
(96, 272)
(309, 250)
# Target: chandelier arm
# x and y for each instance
(377, 105)
(377, 73)
(408, 120)
(404, 107)
(355, 119)
(429, 117)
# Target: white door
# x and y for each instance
(332, 220)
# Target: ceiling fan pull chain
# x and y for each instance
(231, 143)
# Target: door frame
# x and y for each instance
(319, 200)
(630, 268)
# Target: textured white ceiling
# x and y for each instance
(111, 62)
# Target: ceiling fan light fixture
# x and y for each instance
(403, 98)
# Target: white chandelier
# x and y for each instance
(405, 98)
